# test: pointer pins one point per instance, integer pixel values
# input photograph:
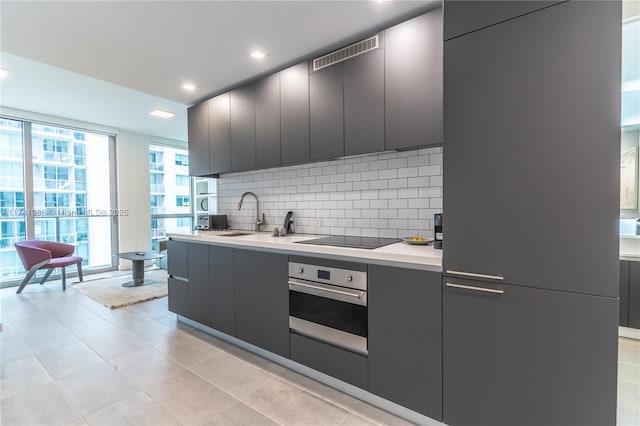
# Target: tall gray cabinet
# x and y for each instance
(531, 152)
(532, 128)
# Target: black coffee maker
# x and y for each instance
(437, 227)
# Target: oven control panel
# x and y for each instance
(333, 276)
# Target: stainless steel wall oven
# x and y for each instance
(329, 304)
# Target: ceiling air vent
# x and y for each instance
(345, 53)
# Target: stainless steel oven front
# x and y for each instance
(329, 304)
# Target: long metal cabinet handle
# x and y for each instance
(469, 287)
(471, 274)
(328, 290)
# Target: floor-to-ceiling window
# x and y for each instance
(56, 184)
(12, 207)
(171, 206)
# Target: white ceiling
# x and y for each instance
(112, 62)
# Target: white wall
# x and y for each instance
(132, 157)
(391, 194)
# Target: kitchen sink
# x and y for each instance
(235, 234)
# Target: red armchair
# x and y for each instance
(49, 255)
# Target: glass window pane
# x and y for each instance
(12, 214)
(72, 187)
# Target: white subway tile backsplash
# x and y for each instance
(388, 174)
(391, 194)
(370, 214)
(370, 232)
(372, 175)
(418, 160)
(379, 184)
(398, 163)
(361, 167)
(433, 170)
(345, 186)
(408, 172)
(361, 204)
(398, 183)
(399, 203)
(379, 204)
(361, 186)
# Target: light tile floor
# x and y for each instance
(67, 360)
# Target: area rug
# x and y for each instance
(110, 293)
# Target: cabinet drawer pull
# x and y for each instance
(471, 274)
(469, 287)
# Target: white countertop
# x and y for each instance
(399, 254)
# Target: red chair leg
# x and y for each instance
(64, 278)
(80, 270)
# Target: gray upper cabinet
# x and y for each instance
(461, 17)
(219, 134)
(198, 128)
(294, 118)
(413, 82)
(364, 103)
(242, 104)
(268, 121)
(405, 338)
(531, 167)
(528, 356)
(326, 124)
(261, 300)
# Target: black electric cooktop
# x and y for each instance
(353, 242)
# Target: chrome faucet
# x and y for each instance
(258, 221)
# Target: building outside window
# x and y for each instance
(170, 191)
(70, 197)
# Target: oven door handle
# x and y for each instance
(360, 297)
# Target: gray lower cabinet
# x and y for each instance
(334, 361)
(261, 300)
(461, 17)
(505, 215)
(268, 121)
(413, 82)
(634, 294)
(527, 356)
(242, 106)
(405, 337)
(294, 114)
(219, 134)
(221, 292)
(624, 293)
(198, 306)
(364, 103)
(178, 295)
(178, 281)
(198, 131)
(326, 112)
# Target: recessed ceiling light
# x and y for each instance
(256, 54)
(3, 72)
(189, 86)
(162, 114)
